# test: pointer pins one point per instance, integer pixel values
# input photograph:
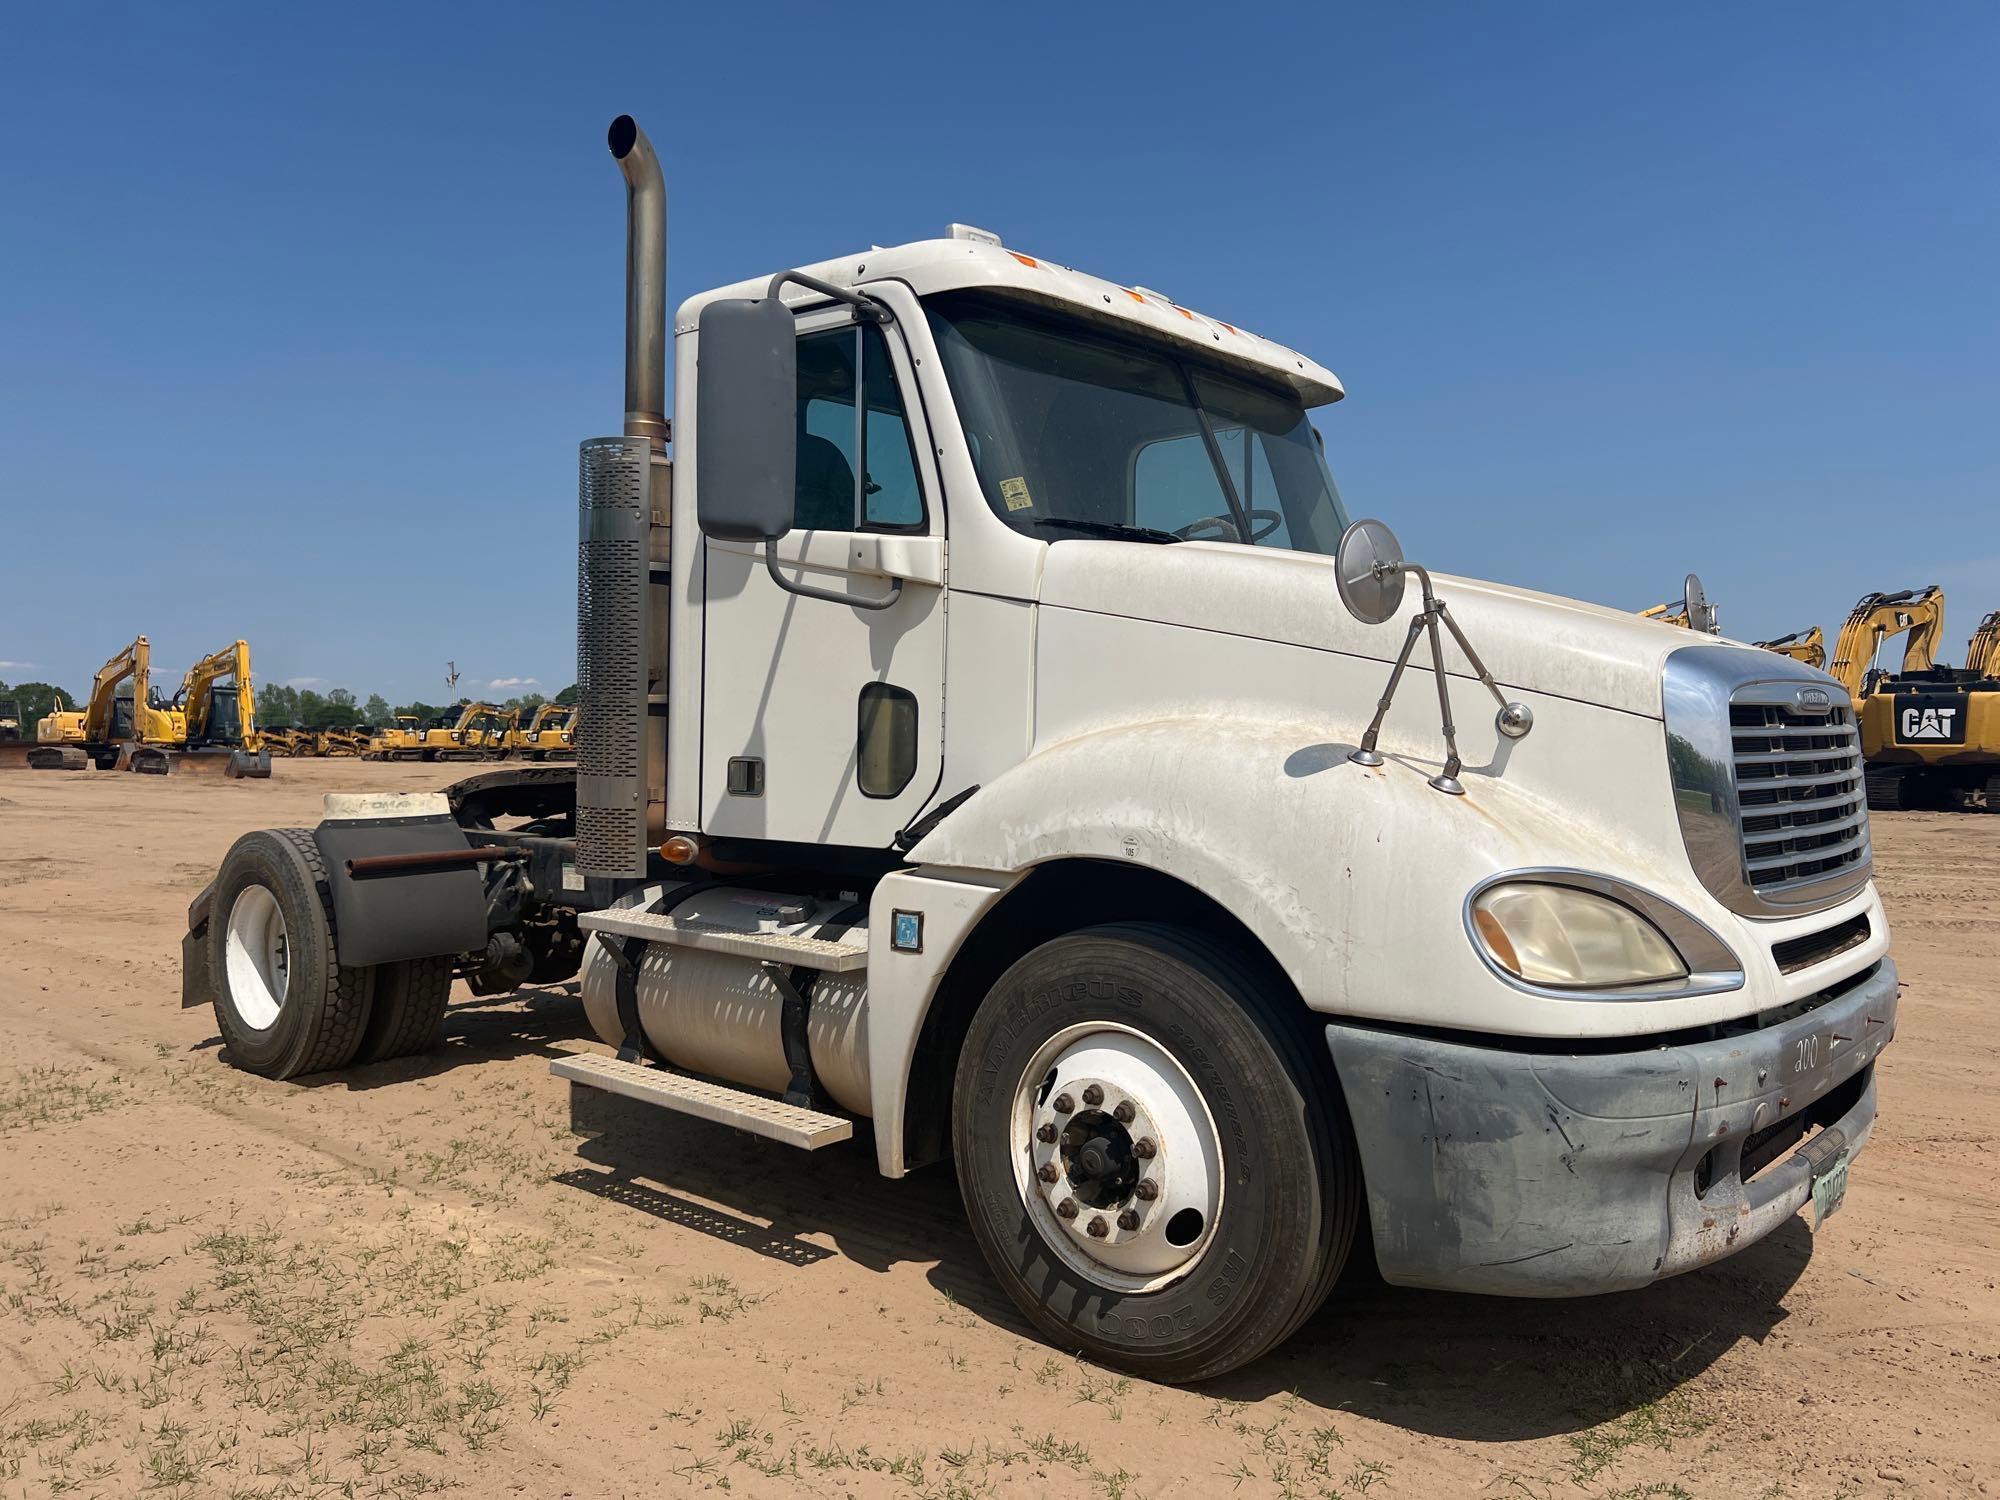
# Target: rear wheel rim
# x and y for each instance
(257, 957)
(1116, 1156)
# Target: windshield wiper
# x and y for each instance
(1115, 529)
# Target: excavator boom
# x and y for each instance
(1808, 646)
(1982, 652)
(1882, 617)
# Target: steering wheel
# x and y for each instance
(1223, 528)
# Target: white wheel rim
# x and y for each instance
(1135, 1159)
(257, 955)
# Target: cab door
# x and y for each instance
(823, 720)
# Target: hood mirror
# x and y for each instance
(1370, 572)
(1700, 613)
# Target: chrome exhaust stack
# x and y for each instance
(645, 280)
(625, 499)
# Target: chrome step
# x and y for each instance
(773, 1119)
(805, 952)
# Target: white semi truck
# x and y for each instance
(991, 729)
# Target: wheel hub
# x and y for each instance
(1098, 1161)
(1117, 1156)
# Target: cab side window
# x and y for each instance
(857, 467)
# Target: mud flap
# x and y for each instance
(197, 980)
(383, 919)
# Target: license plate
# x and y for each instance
(1829, 1190)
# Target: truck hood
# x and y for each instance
(1539, 643)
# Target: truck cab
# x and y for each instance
(994, 725)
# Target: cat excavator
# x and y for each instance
(401, 740)
(549, 735)
(1982, 652)
(1808, 646)
(477, 731)
(1930, 734)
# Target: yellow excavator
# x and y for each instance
(218, 708)
(1808, 646)
(1982, 652)
(210, 725)
(402, 740)
(1930, 734)
(549, 735)
(475, 732)
(121, 717)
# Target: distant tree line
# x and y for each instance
(279, 705)
(38, 700)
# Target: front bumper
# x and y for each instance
(1557, 1174)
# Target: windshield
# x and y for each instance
(1079, 433)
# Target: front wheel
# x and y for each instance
(1151, 1167)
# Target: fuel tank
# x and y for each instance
(720, 1015)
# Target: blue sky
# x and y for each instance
(302, 313)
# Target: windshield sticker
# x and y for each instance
(1015, 493)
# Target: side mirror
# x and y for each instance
(746, 415)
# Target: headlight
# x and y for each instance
(1558, 935)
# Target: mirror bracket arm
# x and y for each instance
(868, 309)
(834, 596)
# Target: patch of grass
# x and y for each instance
(37, 1097)
(1656, 1424)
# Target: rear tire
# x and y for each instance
(285, 1005)
(1254, 1186)
(407, 1016)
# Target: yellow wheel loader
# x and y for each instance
(1808, 646)
(1930, 734)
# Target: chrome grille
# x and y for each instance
(1801, 811)
(1764, 756)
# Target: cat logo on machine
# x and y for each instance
(1924, 719)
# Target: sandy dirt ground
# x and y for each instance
(411, 1278)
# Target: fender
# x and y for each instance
(1354, 877)
(423, 915)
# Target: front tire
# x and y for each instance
(1152, 1169)
(284, 1003)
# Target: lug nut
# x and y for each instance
(1064, 1104)
(1098, 1228)
(1146, 1191)
(1129, 1220)
(1046, 1135)
(1144, 1149)
(1124, 1112)
(1066, 1209)
(1049, 1172)
(1093, 1096)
